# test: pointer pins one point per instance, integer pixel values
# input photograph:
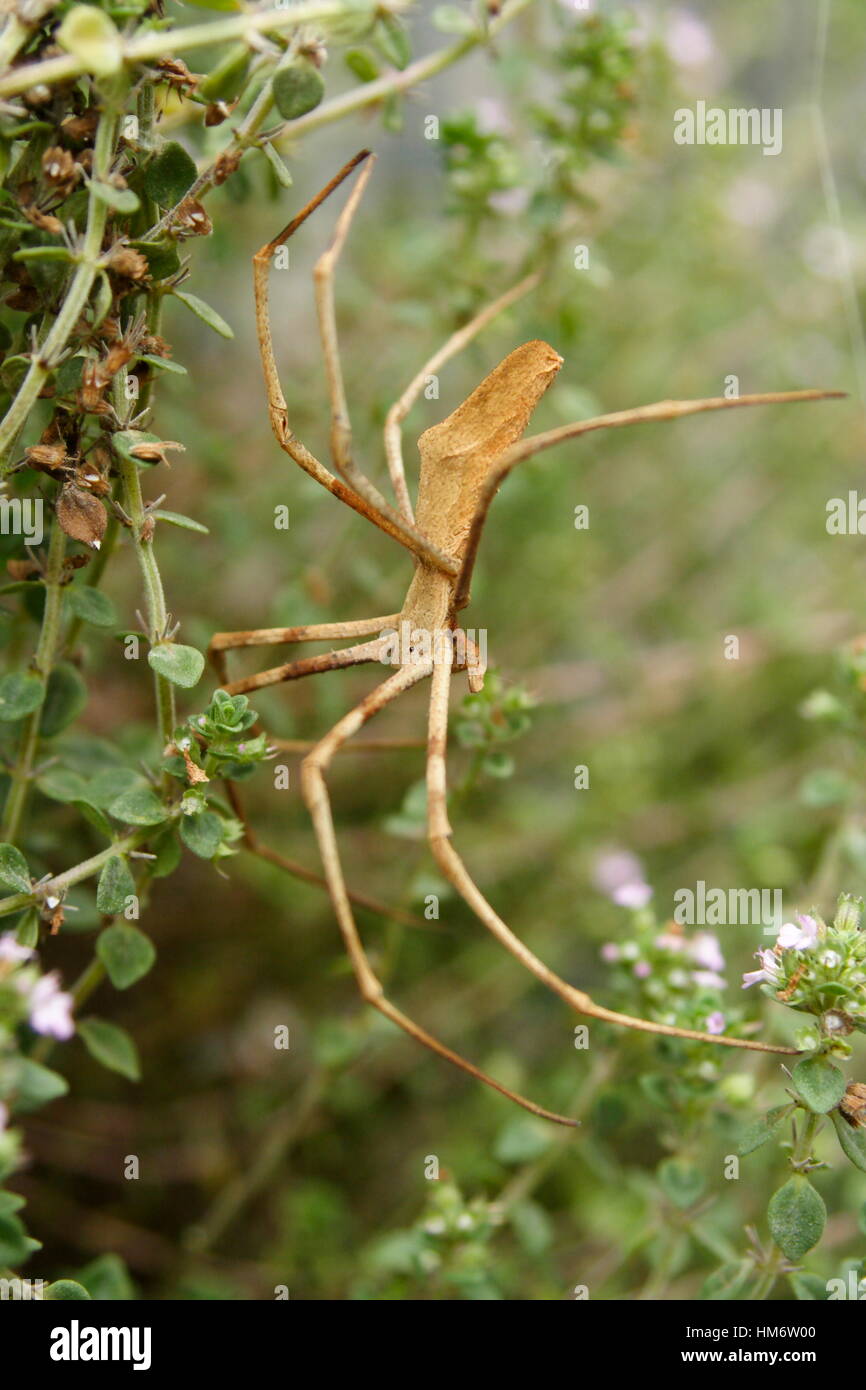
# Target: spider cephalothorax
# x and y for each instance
(464, 459)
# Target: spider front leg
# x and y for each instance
(315, 791)
(223, 642)
(452, 866)
(359, 498)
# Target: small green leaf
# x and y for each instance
(202, 833)
(393, 40)
(825, 787)
(762, 1130)
(120, 199)
(297, 89)
(115, 885)
(110, 1046)
(65, 1289)
(170, 175)
(20, 695)
(27, 933)
(796, 1216)
(178, 519)
(818, 1083)
(62, 784)
(90, 605)
(205, 313)
(362, 64)
(851, 1141)
(138, 806)
(450, 19)
(107, 1278)
(43, 253)
(34, 1085)
(106, 786)
(14, 873)
(283, 177)
(167, 851)
(126, 953)
(65, 698)
(178, 664)
(14, 1249)
(164, 364)
(681, 1182)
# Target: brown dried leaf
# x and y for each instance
(81, 516)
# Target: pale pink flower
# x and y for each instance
(769, 970)
(610, 952)
(798, 938)
(632, 895)
(51, 1008)
(642, 969)
(716, 1023)
(705, 951)
(614, 868)
(12, 951)
(708, 979)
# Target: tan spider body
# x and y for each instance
(463, 461)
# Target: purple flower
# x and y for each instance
(633, 895)
(642, 969)
(11, 950)
(769, 970)
(614, 868)
(716, 1023)
(610, 952)
(51, 1008)
(802, 938)
(705, 951)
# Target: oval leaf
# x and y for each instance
(126, 953)
(170, 175)
(65, 698)
(205, 313)
(110, 1046)
(297, 89)
(90, 605)
(138, 806)
(796, 1216)
(851, 1141)
(178, 664)
(202, 833)
(115, 885)
(818, 1083)
(20, 695)
(14, 873)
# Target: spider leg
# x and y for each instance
(337, 660)
(660, 410)
(315, 791)
(439, 832)
(382, 515)
(400, 409)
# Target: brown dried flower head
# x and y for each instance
(81, 516)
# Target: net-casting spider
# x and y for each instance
(463, 461)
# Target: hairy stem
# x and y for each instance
(43, 662)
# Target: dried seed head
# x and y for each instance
(154, 345)
(22, 569)
(216, 112)
(43, 220)
(60, 169)
(153, 451)
(226, 165)
(81, 516)
(146, 530)
(48, 458)
(80, 129)
(126, 261)
(177, 74)
(192, 220)
(853, 1104)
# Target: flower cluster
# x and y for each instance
(819, 969)
(673, 978)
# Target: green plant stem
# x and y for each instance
(168, 42)
(58, 885)
(43, 662)
(395, 82)
(154, 595)
(76, 296)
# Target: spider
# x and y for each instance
(464, 459)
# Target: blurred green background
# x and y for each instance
(307, 1168)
